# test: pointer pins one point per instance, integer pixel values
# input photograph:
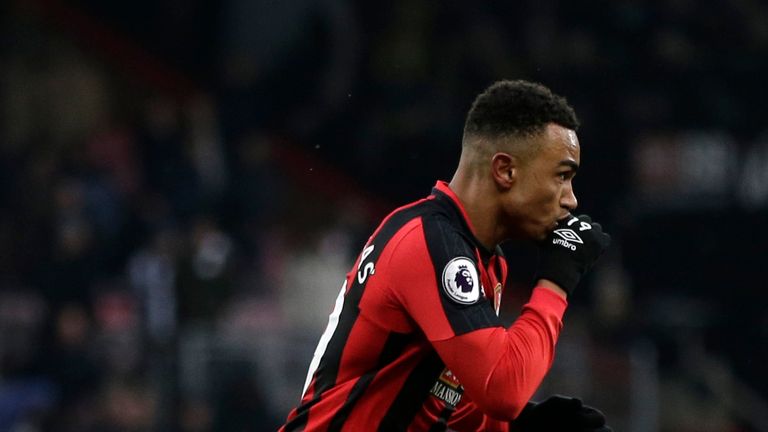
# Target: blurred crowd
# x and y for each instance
(171, 242)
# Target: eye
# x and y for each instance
(566, 175)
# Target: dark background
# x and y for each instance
(185, 183)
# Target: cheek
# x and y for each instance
(535, 203)
(549, 196)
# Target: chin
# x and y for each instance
(546, 231)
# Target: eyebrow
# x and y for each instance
(569, 163)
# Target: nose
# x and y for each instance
(568, 198)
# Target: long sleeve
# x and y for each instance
(499, 368)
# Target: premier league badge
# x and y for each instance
(460, 281)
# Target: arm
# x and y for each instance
(433, 287)
(468, 417)
(437, 290)
(501, 369)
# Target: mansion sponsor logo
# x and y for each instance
(448, 389)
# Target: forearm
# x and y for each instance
(501, 369)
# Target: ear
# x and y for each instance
(504, 168)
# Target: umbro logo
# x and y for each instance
(569, 235)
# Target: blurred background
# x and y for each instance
(185, 184)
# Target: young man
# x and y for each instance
(414, 341)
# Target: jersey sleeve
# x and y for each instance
(434, 277)
(501, 369)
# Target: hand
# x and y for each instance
(560, 414)
(570, 250)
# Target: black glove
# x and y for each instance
(570, 250)
(560, 414)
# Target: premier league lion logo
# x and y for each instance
(464, 280)
(460, 282)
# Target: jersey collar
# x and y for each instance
(441, 190)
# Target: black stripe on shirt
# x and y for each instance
(412, 394)
(445, 243)
(302, 415)
(393, 347)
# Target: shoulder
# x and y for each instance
(434, 232)
(426, 238)
(445, 238)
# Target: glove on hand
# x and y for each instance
(570, 250)
(560, 414)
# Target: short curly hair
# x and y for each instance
(517, 108)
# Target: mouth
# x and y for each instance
(557, 221)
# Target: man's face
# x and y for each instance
(542, 192)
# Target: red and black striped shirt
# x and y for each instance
(414, 342)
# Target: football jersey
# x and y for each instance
(415, 327)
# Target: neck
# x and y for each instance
(474, 195)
